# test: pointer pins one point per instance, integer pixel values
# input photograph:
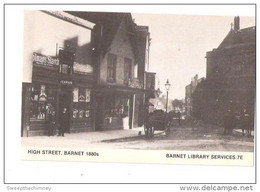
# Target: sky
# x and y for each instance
(179, 45)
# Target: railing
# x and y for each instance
(135, 83)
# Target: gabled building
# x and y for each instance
(97, 70)
(230, 79)
(121, 58)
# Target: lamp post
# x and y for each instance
(167, 87)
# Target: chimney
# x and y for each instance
(236, 23)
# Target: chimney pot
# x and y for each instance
(236, 23)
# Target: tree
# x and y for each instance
(177, 104)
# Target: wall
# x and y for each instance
(228, 62)
(121, 46)
(43, 31)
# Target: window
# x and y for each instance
(81, 103)
(116, 106)
(111, 67)
(42, 101)
(127, 70)
(66, 61)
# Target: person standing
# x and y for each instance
(51, 121)
(179, 118)
(245, 121)
(64, 122)
(229, 122)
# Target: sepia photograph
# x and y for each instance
(130, 94)
(132, 81)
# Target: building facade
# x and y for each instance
(230, 78)
(96, 69)
(123, 83)
(189, 90)
(57, 71)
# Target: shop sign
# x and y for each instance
(44, 59)
(71, 18)
(82, 68)
(47, 60)
(65, 82)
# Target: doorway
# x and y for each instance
(99, 117)
(65, 102)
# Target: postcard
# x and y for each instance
(138, 88)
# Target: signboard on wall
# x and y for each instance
(71, 18)
(44, 59)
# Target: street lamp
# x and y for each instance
(167, 87)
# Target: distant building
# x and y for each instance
(189, 89)
(231, 67)
(230, 80)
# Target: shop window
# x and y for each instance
(42, 100)
(81, 103)
(127, 70)
(116, 106)
(111, 67)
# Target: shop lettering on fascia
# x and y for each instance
(46, 60)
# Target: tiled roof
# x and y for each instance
(109, 20)
(239, 37)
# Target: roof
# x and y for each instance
(238, 37)
(110, 22)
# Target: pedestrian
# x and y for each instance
(245, 121)
(64, 122)
(179, 117)
(229, 122)
(51, 122)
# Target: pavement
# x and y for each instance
(201, 137)
(82, 138)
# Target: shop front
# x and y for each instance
(53, 91)
(117, 107)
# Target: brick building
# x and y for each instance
(230, 79)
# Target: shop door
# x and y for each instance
(65, 102)
(99, 113)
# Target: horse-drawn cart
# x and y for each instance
(157, 121)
